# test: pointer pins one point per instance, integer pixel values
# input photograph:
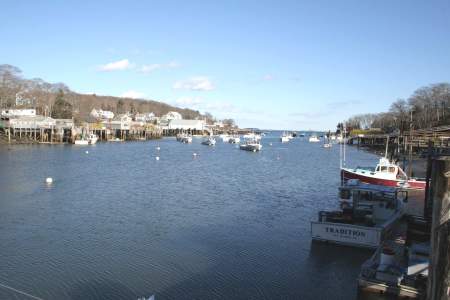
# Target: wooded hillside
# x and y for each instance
(19, 92)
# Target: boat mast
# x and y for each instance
(387, 145)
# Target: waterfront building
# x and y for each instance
(171, 115)
(197, 125)
(102, 114)
(121, 122)
(146, 117)
(10, 113)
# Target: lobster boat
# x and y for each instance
(385, 173)
(366, 216)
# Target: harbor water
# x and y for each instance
(116, 223)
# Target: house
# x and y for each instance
(102, 114)
(11, 113)
(171, 115)
(148, 117)
(121, 122)
(186, 124)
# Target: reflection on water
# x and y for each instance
(117, 224)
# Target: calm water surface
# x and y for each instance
(117, 224)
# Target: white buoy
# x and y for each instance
(158, 148)
(270, 144)
(49, 180)
(194, 154)
(87, 152)
(157, 158)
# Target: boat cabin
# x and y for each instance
(366, 205)
(389, 170)
(367, 215)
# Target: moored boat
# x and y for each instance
(92, 138)
(251, 145)
(366, 216)
(385, 173)
(225, 138)
(314, 139)
(284, 138)
(234, 139)
(210, 141)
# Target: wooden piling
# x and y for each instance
(439, 279)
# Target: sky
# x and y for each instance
(294, 65)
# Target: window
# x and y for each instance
(383, 169)
(391, 169)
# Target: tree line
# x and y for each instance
(427, 107)
(58, 101)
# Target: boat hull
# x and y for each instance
(411, 183)
(346, 234)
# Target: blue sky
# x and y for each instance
(269, 64)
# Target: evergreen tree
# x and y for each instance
(61, 108)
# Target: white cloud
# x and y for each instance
(132, 94)
(199, 83)
(153, 67)
(119, 65)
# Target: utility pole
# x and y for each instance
(439, 270)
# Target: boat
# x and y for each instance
(385, 173)
(314, 139)
(81, 142)
(367, 214)
(115, 140)
(186, 139)
(210, 141)
(251, 145)
(234, 139)
(225, 138)
(400, 266)
(327, 143)
(285, 138)
(92, 138)
(252, 136)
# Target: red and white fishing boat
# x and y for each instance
(385, 173)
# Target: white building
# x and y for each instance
(186, 124)
(148, 117)
(171, 115)
(102, 114)
(10, 113)
(121, 122)
(31, 122)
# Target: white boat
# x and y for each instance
(210, 141)
(186, 139)
(234, 139)
(327, 145)
(367, 214)
(252, 136)
(284, 138)
(251, 145)
(115, 140)
(314, 139)
(225, 138)
(92, 138)
(81, 142)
